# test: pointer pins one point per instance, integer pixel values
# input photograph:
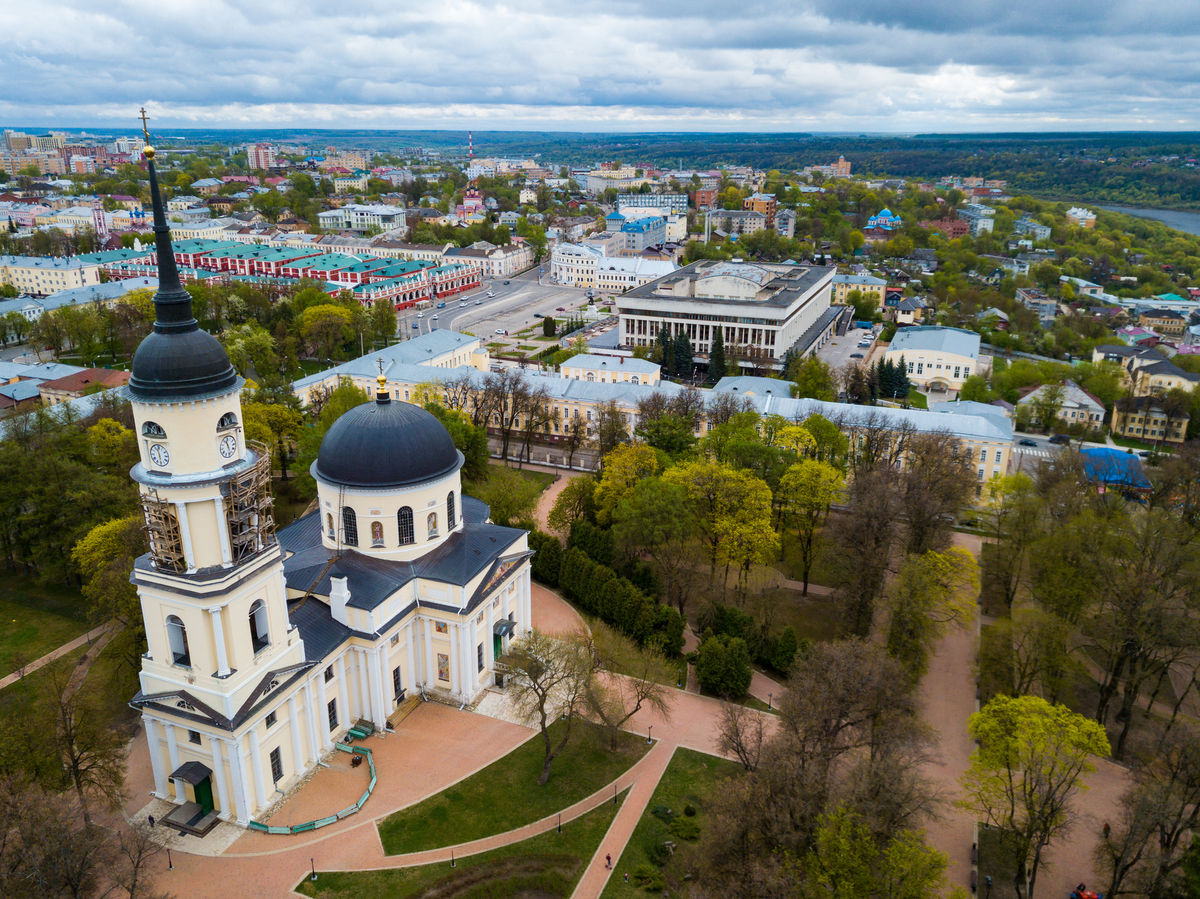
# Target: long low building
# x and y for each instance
(763, 310)
(441, 357)
(584, 265)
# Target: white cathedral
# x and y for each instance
(263, 649)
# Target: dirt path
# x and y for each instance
(105, 630)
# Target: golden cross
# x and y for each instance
(142, 115)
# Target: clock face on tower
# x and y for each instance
(159, 455)
(228, 446)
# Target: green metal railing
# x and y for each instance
(328, 819)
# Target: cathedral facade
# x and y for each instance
(264, 648)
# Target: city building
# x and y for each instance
(1036, 230)
(868, 285)
(1163, 321)
(587, 265)
(76, 384)
(1038, 301)
(260, 156)
(1084, 218)
(1075, 405)
(839, 169)
(883, 222)
(936, 358)
(764, 203)
(704, 198)
(1149, 418)
(659, 204)
(979, 218)
(361, 218)
(611, 369)
(785, 223)
(493, 261)
(1146, 371)
(736, 221)
(951, 228)
(264, 649)
(764, 310)
(40, 276)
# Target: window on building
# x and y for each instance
(431, 525)
(328, 673)
(349, 527)
(479, 657)
(450, 518)
(259, 633)
(983, 455)
(998, 455)
(377, 533)
(271, 719)
(329, 525)
(981, 474)
(404, 521)
(331, 710)
(177, 638)
(228, 420)
(194, 737)
(397, 690)
(276, 765)
(153, 429)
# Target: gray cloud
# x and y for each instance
(615, 65)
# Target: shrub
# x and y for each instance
(723, 666)
(649, 878)
(685, 829)
(658, 852)
(689, 810)
(547, 559)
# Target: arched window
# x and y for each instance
(329, 525)
(349, 527)
(228, 420)
(153, 429)
(177, 638)
(377, 533)
(404, 521)
(450, 519)
(259, 634)
(431, 525)
(591, 376)
(635, 380)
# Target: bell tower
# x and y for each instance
(212, 588)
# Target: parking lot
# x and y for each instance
(840, 350)
(515, 305)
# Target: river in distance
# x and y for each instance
(1188, 222)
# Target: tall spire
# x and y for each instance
(172, 304)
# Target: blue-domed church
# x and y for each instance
(264, 647)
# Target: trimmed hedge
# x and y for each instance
(547, 559)
(616, 601)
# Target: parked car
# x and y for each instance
(1025, 441)
(560, 308)
(538, 315)
(507, 282)
(501, 331)
(1060, 439)
(856, 355)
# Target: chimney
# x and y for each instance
(622, 360)
(339, 596)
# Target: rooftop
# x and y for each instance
(593, 362)
(933, 338)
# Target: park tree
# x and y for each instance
(327, 409)
(930, 591)
(575, 501)
(975, 389)
(716, 356)
(510, 495)
(610, 431)
(575, 437)
(468, 439)
(1029, 765)
(656, 520)
(723, 666)
(643, 676)
(806, 492)
(326, 328)
(624, 468)
(811, 377)
(382, 321)
(104, 557)
(862, 540)
(1046, 406)
(550, 680)
(936, 484)
(681, 350)
(1012, 513)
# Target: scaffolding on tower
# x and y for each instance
(162, 527)
(250, 507)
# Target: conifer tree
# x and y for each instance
(716, 356)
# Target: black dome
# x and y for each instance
(178, 365)
(385, 444)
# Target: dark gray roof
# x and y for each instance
(320, 633)
(463, 555)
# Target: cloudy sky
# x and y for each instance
(616, 65)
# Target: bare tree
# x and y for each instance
(638, 680)
(551, 678)
(937, 483)
(723, 406)
(92, 753)
(575, 436)
(610, 429)
(863, 538)
(740, 734)
(539, 415)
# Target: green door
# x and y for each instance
(497, 646)
(204, 795)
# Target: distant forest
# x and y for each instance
(1119, 167)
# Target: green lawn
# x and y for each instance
(542, 478)
(547, 865)
(691, 779)
(35, 619)
(917, 400)
(506, 794)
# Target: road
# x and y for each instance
(512, 308)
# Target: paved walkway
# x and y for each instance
(93, 634)
(595, 877)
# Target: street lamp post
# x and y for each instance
(649, 733)
(313, 865)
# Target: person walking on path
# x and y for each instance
(608, 861)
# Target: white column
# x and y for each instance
(222, 532)
(294, 725)
(310, 721)
(219, 642)
(237, 767)
(219, 776)
(455, 658)
(526, 599)
(472, 662)
(464, 661)
(379, 703)
(321, 715)
(413, 677)
(173, 754)
(256, 770)
(185, 535)
(152, 740)
(383, 664)
(430, 673)
(364, 684)
(489, 644)
(343, 688)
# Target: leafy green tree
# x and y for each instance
(509, 494)
(625, 468)
(327, 329)
(382, 318)
(1028, 767)
(470, 440)
(806, 492)
(723, 666)
(930, 591)
(975, 389)
(344, 397)
(811, 377)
